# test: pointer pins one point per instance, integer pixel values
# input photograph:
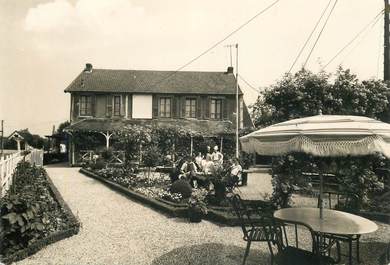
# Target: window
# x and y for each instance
(117, 105)
(216, 109)
(190, 108)
(165, 107)
(85, 105)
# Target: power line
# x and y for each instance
(217, 43)
(371, 23)
(319, 35)
(361, 40)
(249, 85)
(311, 34)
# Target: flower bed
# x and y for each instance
(156, 193)
(156, 186)
(33, 214)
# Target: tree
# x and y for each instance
(306, 94)
(33, 140)
(62, 126)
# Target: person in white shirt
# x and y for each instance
(208, 166)
(188, 171)
(198, 160)
(236, 170)
(217, 157)
(208, 153)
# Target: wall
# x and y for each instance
(150, 106)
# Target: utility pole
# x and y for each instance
(2, 139)
(230, 46)
(237, 105)
(386, 54)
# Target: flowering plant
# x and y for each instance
(197, 200)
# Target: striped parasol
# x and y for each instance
(322, 136)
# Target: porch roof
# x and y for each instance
(208, 128)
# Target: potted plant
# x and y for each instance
(197, 208)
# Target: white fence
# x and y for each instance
(9, 163)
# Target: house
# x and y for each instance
(22, 139)
(104, 100)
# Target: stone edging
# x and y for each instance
(170, 208)
(217, 214)
(73, 229)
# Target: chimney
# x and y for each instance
(229, 70)
(88, 68)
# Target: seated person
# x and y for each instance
(198, 160)
(235, 171)
(217, 157)
(208, 153)
(208, 166)
(188, 171)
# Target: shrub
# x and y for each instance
(100, 164)
(152, 156)
(29, 212)
(107, 154)
(354, 175)
(183, 187)
(22, 222)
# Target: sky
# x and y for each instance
(46, 44)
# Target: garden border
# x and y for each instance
(73, 229)
(214, 215)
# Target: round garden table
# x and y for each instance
(339, 225)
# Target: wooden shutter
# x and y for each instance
(207, 108)
(93, 105)
(155, 102)
(130, 106)
(183, 106)
(224, 109)
(76, 105)
(108, 105)
(123, 105)
(173, 107)
(198, 107)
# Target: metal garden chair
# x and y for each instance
(254, 230)
(289, 255)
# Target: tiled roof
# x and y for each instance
(203, 127)
(143, 81)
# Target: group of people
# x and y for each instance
(197, 169)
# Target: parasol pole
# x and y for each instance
(321, 193)
(321, 168)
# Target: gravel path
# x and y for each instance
(116, 230)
